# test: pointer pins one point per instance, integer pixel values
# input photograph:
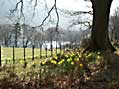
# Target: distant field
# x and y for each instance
(7, 53)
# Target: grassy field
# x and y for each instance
(7, 53)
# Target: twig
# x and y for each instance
(49, 12)
(79, 22)
(75, 13)
(21, 9)
(45, 18)
(34, 9)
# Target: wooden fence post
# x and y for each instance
(40, 50)
(24, 54)
(0, 56)
(64, 47)
(25, 63)
(33, 52)
(51, 50)
(60, 48)
(56, 48)
(46, 52)
(13, 56)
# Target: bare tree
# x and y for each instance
(6, 34)
(114, 26)
(17, 33)
(27, 34)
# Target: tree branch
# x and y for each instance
(78, 22)
(21, 9)
(57, 24)
(45, 18)
(49, 12)
(75, 13)
(36, 1)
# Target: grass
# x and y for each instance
(7, 53)
(69, 70)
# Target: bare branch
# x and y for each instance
(79, 22)
(21, 9)
(45, 17)
(49, 12)
(16, 7)
(75, 13)
(34, 9)
(57, 17)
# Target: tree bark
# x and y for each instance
(99, 35)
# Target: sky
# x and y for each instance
(41, 11)
(79, 5)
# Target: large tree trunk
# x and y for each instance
(99, 35)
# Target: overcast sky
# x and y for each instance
(41, 11)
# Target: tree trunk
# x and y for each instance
(99, 35)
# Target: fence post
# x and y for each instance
(13, 56)
(0, 56)
(24, 53)
(33, 52)
(51, 50)
(40, 50)
(56, 48)
(60, 48)
(46, 52)
(25, 64)
(64, 47)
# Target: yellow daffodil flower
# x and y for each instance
(43, 62)
(98, 53)
(53, 62)
(98, 57)
(60, 62)
(68, 60)
(72, 63)
(81, 65)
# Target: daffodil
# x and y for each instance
(53, 62)
(72, 63)
(68, 60)
(98, 57)
(60, 62)
(22, 61)
(43, 62)
(81, 65)
(66, 56)
(79, 56)
(73, 54)
(98, 53)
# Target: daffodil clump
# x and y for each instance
(66, 62)
(61, 62)
(93, 57)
